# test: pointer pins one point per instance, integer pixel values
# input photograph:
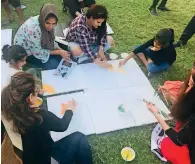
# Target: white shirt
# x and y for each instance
(6, 73)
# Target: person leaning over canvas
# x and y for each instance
(157, 54)
(34, 124)
(87, 36)
(36, 35)
(179, 145)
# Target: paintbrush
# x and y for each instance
(164, 96)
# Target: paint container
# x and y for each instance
(128, 154)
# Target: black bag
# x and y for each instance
(73, 5)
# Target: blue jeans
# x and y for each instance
(52, 63)
(84, 58)
(72, 149)
(153, 68)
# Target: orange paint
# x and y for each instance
(49, 89)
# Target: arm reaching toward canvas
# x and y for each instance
(102, 64)
(155, 112)
(123, 62)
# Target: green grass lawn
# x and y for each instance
(133, 25)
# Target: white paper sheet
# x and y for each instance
(134, 96)
(97, 78)
(91, 77)
(81, 120)
(6, 37)
(65, 31)
(132, 76)
(109, 29)
(74, 81)
(104, 111)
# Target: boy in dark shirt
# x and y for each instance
(157, 54)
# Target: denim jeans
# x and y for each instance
(72, 149)
(52, 63)
(153, 68)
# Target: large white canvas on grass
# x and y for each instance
(98, 111)
(81, 120)
(91, 77)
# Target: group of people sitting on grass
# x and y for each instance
(87, 40)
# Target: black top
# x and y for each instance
(167, 54)
(37, 142)
(185, 136)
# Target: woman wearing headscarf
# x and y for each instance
(36, 35)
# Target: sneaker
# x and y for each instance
(153, 11)
(163, 8)
(22, 7)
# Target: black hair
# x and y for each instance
(165, 37)
(15, 52)
(51, 15)
(98, 12)
(184, 109)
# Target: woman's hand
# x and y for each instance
(64, 54)
(71, 105)
(122, 63)
(103, 64)
(152, 107)
(101, 54)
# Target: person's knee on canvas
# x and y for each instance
(157, 54)
(36, 35)
(88, 32)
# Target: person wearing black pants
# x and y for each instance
(188, 32)
(160, 7)
(17, 5)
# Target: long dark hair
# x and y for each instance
(14, 105)
(97, 12)
(184, 109)
(165, 37)
(15, 53)
(188, 77)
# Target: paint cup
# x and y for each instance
(113, 56)
(38, 101)
(128, 154)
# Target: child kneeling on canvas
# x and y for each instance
(171, 90)
(15, 58)
(157, 54)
